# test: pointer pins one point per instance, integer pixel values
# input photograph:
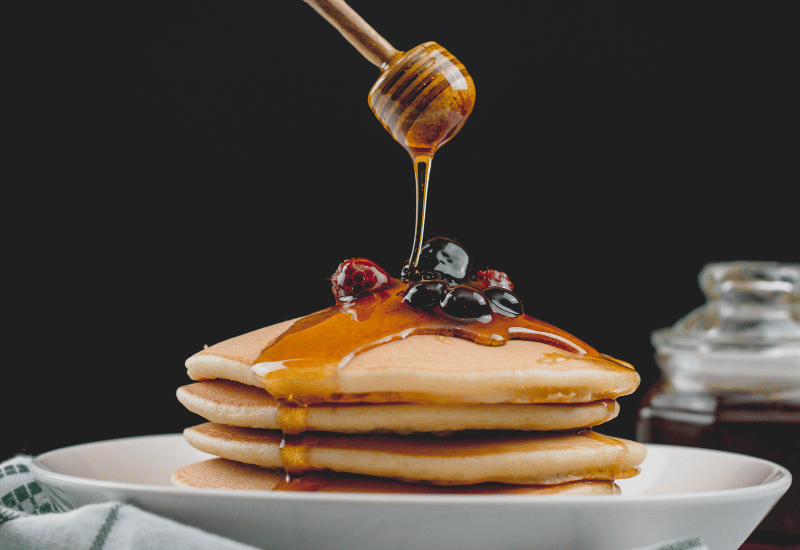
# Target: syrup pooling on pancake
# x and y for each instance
(316, 347)
(302, 364)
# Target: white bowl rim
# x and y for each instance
(778, 481)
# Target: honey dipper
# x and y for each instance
(423, 96)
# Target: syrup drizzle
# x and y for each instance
(620, 448)
(423, 101)
(316, 347)
(301, 365)
(292, 417)
(422, 164)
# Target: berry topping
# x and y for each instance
(416, 275)
(466, 302)
(426, 294)
(445, 256)
(357, 277)
(504, 301)
(444, 277)
(491, 277)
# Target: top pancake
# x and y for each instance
(425, 369)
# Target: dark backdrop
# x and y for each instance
(186, 171)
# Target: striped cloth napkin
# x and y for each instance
(29, 520)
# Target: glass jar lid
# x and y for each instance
(752, 307)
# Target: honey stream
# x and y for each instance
(422, 172)
(422, 106)
(423, 98)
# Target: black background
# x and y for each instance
(182, 172)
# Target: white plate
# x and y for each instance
(681, 492)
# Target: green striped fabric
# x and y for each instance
(30, 519)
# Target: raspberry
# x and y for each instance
(490, 277)
(357, 277)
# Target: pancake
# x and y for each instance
(423, 369)
(469, 457)
(219, 473)
(439, 392)
(233, 359)
(237, 404)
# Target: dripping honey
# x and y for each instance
(423, 100)
(422, 107)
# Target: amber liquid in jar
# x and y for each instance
(732, 379)
(735, 423)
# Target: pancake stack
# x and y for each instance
(373, 395)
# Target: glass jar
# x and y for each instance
(731, 379)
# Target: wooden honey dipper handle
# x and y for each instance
(356, 31)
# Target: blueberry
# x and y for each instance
(504, 301)
(445, 256)
(425, 294)
(466, 302)
(418, 275)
